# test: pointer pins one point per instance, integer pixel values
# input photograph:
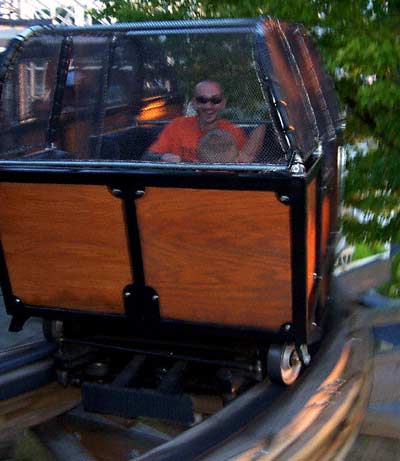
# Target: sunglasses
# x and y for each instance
(214, 100)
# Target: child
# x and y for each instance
(219, 146)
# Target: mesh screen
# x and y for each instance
(116, 90)
(326, 83)
(161, 71)
(296, 38)
(123, 89)
(322, 95)
(175, 63)
(81, 103)
(172, 64)
(289, 89)
(27, 97)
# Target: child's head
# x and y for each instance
(217, 146)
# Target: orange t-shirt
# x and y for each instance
(182, 135)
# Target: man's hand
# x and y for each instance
(244, 157)
(253, 145)
(172, 158)
(156, 157)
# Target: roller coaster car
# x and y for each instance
(214, 262)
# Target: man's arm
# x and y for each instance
(253, 145)
(162, 148)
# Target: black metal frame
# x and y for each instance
(62, 72)
(314, 296)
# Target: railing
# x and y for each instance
(55, 11)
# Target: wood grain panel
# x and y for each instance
(65, 245)
(326, 213)
(325, 232)
(221, 257)
(311, 233)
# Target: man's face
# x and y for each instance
(208, 101)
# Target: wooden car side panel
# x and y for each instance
(218, 256)
(65, 245)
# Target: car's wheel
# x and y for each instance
(283, 363)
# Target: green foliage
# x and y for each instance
(392, 287)
(363, 250)
(154, 10)
(360, 43)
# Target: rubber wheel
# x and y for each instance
(52, 329)
(283, 364)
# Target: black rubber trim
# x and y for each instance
(21, 358)
(130, 403)
(26, 378)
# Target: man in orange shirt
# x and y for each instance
(179, 140)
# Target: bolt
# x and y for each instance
(116, 192)
(127, 294)
(155, 298)
(17, 301)
(284, 199)
(258, 369)
(297, 168)
(287, 327)
(139, 193)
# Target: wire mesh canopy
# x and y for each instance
(108, 94)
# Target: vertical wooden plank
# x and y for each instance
(326, 211)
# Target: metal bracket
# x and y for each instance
(297, 166)
(304, 355)
(126, 396)
(315, 334)
(142, 306)
(122, 194)
(141, 302)
(18, 318)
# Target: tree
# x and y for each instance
(142, 10)
(392, 287)
(360, 43)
